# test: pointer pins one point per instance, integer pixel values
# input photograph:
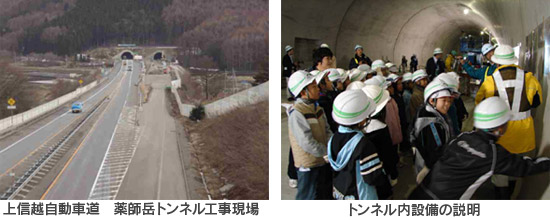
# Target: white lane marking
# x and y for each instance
(112, 136)
(161, 155)
(9, 147)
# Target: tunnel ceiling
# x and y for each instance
(387, 28)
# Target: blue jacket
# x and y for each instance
(479, 73)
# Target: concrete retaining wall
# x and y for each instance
(247, 97)
(19, 119)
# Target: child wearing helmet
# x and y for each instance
(431, 129)
(309, 133)
(473, 157)
(357, 169)
(397, 95)
(379, 134)
(407, 93)
(420, 80)
(328, 92)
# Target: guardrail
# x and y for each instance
(22, 181)
(19, 119)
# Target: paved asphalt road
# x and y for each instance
(76, 181)
(19, 144)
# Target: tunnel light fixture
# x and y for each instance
(481, 33)
(466, 11)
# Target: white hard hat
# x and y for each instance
(352, 107)
(319, 77)
(450, 80)
(358, 46)
(333, 74)
(393, 78)
(344, 76)
(436, 89)
(356, 75)
(407, 77)
(491, 113)
(324, 45)
(377, 64)
(437, 51)
(419, 74)
(363, 67)
(388, 65)
(378, 80)
(504, 55)
(314, 72)
(288, 48)
(341, 71)
(378, 95)
(455, 75)
(355, 85)
(298, 81)
(393, 69)
(486, 48)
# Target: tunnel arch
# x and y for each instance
(158, 55)
(418, 29)
(127, 55)
(345, 23)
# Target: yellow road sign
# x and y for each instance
(80, 81)
(11, 101)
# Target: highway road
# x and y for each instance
(130, 151)
(78, 175)
(18, 145)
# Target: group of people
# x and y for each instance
(349, 128)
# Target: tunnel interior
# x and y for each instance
(392, 29)
(127, 56)
(157, 56)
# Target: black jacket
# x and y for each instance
(432, 68)
(430, 133)
(386, 151)
(326, 101)
(414, 61)
(345, 181)
(405, 145)
(461, 111)
(354, 62)
(288, 66)
(468, 161)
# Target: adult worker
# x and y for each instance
(434, 65)
(289, 66)
(359, 58)
(487, 50)
(471, 158)
(414, 63)
(450, 63)
(522, 92)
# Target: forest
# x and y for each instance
(230, 34)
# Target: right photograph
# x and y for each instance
(418, 100)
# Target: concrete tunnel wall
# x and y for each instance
(402, 27)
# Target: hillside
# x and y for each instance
(232, 34)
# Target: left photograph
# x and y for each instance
(134, 100)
